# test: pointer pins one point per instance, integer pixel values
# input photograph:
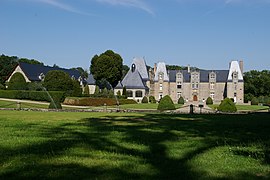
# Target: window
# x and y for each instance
(235, 94)
(212, 95)
(129, 94)
(160, 76)
(179, 85)
(235, 87)
(179, 94)
(178, 76)
(212, 76)
(138, 93)
(160, 87)
(235, 75)
(193, 85)
(212, 85)
(197, 85)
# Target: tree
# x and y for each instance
(57, 80)
(97, 90)
(86, 90)
(209, 101)
(83, 72)
(76, 88)
(17, 82)
(124, 93)
(107, 65)
(227, 105)
(152, 99)
(166, 103)
(7, 65)
(30, 61)
(125, 70)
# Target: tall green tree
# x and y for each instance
(58, 81)
(7, 65)
(83, 72)
(17, 82)
(30, 61)
(108, 65)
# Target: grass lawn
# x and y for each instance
(244, 107)
(60, 145)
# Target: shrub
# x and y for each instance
(55, 105)
(96, 101)
(118, 93)
(86, 90)
(34, 86)
(166, 103)
(33, 95)
(145, 99)
(254, 101)
(17, 82)
(2, 86)
(232, 99)
(152, 99)
(248, 97)
(124, 93)
(209, 101)
(181, 100)
(227, 105)
(97, 90)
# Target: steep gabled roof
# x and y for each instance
(119, 86)
(133, 80)
(161, 68)
(221, 75)
(33, 71)
(90, 80)
(234, 67)
(141, 67)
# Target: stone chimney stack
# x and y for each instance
(241, 64)
(155, 68)
(188, 68)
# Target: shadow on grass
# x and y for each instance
(124, 146)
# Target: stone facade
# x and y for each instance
(192, 85)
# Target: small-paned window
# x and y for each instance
(179, 85)
(129, 94)
(138, 93)
(160, 87)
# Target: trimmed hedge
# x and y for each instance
(145, 99)
(33, 95)
(166, 103)
(209, 101)
(227, 105)
(96, 101)
(181, 100)
(254, 101)
(152, 99)
(55, 105)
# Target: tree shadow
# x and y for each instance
(144, 137)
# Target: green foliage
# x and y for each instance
(227, 105)
(35, 86)
(152, 99)
(76, 89)
(166, 103)
(181, 100)
(108, 65)
(17, 82)
(97, 90)
(33, 95)
(124, 93)
(209, 101)
(254, 101)
(58, 81)
(125, 70)
(7, 65)
(105, 92)
(248, 97)
(257, 83)
(30, 61)
(2, 86)
(145, 99)
(83, 72)
(86, 90)
(55, 105)
(96, 101)
(118, 93)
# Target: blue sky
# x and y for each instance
(203, 33)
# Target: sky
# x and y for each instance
(203, 33)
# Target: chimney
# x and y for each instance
(155, 68)
(188, 68)
(241, 65)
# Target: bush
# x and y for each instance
(33, 95)
(248, 97)
(2, 87)
(166, 103)
(17, 82)
(254, 101)
(96, 101)
(209, 101)
(55, 105)
(227, 105)
(152, 99)
(76, 89)
(124, 93)
(181, 100)
(145, 99)
(86, 90)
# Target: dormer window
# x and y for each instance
(41, 76)
(178, 76)
(133, 67)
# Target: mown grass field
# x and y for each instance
(65, 145)
(244, 107)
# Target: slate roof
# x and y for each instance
(234, 66)
(161, 68)
(221, 75)
(141, 66)
(33, 71)
(133, 80)
(90, 80)
(119, 86)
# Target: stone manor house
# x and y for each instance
(192, 85)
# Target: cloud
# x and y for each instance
(130, 3)
(63, 6)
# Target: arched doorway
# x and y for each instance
(195, 98)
